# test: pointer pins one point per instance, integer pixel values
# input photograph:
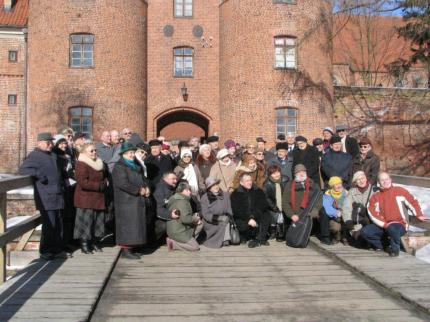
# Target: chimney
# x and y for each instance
(8, 5)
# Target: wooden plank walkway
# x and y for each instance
(406, 276)
(58, 290)
(274, 283)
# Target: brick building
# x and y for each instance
(178, 68)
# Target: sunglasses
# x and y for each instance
(92, 151)
(364, 146)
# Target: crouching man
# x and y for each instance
(387, 213)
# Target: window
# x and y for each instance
(81, 119)
(81, 50)
(286, 121)
(12, 99)
(183, 8)
(285, 52)
(183, 58)
(13, 56)
(285, 1)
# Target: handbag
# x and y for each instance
(234, 233)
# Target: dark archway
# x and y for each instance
(186, 122)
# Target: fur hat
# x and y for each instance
(282, 146)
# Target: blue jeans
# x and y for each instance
(373, 235)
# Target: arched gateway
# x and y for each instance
(182, 124)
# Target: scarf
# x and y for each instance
(338, 197)
(96, 164)
(363, 189)
(130, 163)
(226, 164)
(305, 198)
(191, 177)
(278, 192)
(214, 197)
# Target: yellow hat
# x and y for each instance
(334, 180)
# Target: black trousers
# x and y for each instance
(259, 233)
(51, 240)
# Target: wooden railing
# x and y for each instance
(8, 235)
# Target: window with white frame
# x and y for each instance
(183, 8)
(183, 60)
(81, 119)
(81, 50)
(285, 52)
(286, 121)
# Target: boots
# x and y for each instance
(84, 247)
(127, 253)
(96, 246)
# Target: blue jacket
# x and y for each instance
(329, 204)
(48, 180)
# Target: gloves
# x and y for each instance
(349, 224)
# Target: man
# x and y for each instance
(183, 231)
(291, 140)
(157, 163)
(283, 160)
(279, 139)
(105, 150)
(318, 143)
(114, 136)
(42, 165)
(388, 214)
(194, 144)
(163, 191)
(367, 161)
(126, 134)
(349, 144)
(261, 146)
(308, 156)
(327, 134)
(336, 163)
(250, 211)
(213, 141)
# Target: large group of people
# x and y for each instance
(189, 193)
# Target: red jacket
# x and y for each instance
(386, 206)
(88, 181)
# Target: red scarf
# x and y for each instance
(305, 199)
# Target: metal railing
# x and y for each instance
(9, 235)
(423, 182)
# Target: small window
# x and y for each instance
(12, 99)
(285, 1)
(13, 56)
(285, 52)
(183, 8)
(286, 121)
(81, 120)
(183, 61)
(81, 50)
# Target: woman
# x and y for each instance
(187, 170)
(331, 212)
(130, 191)
(250, 166)
(142, 151)
(261, 161)
(273, 189)
(354, 209)
(89, 200)
(205, 160)
(224, 170)
(216, 211)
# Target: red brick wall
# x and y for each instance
(115, 87)
(182, 131)
(11, 82)
(164, 90)
(251, 88)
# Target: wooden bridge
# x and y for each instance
(269, 283)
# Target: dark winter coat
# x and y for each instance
(269, 189)
(91, 185)
(130, 212)
(286, 199)
(161, 195)
(285, 165)
(351, 146)
(182, 229)
(337, 164)
(309, 157)
(157, 166)
(370, 165)
(214, 206)
(49, 183)
(248, 204)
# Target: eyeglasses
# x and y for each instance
(128, 133)
(260, 153)
(364, 146)
(93, 151)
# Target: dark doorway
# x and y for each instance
(182, 125)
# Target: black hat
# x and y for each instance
(154, 142)
(283, 146)
(301, 138)
(335, 139)
(317, 141)
(281, 137)
(143, 146)
(183, 144)
(79, 135)
(212, 138)
(260, 139)
(44, 136)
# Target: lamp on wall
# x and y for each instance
(184, 91)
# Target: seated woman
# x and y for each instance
(331, 212)
(354, 209)
(183, 231)
(89, 199)
(216, 211)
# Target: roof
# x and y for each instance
(17, 17)
(368, 43)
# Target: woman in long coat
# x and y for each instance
(216, 211)
(130, 191)
(224, 170)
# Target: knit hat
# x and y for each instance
(165, 147)
(58, 138)
(334, 180)
(229, 144)
(301, 138)
(357, 175)
(185, 152)
(222, 154)
(298, 168)
(335, 139)
(283, 146)
(204, 146)
(328, 129)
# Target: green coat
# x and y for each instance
(182, 229)
(286, 199)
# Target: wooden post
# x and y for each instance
(3, 249)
